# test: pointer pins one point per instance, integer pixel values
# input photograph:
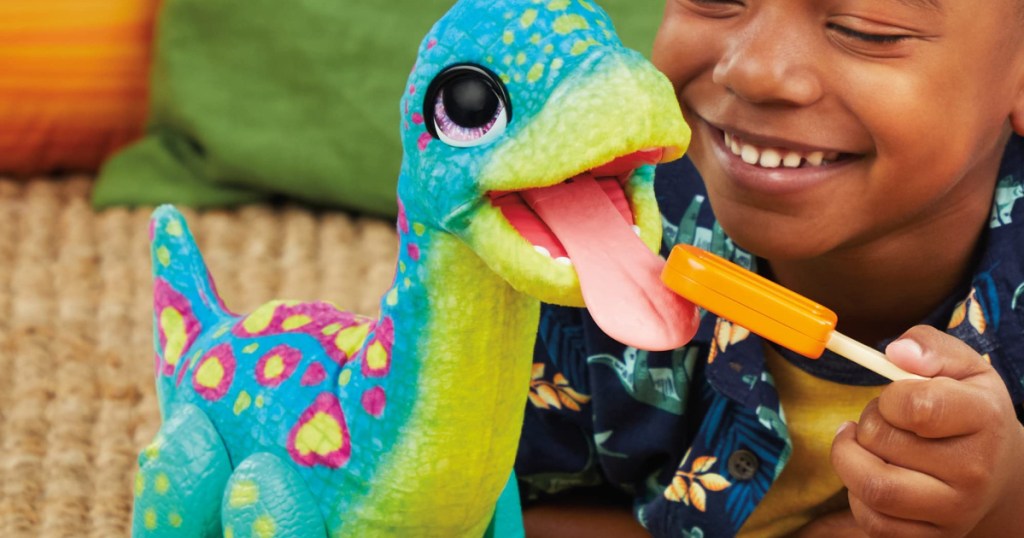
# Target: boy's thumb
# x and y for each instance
(928, 352)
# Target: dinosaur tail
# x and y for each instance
(185, 301)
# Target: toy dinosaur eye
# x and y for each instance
(466, 105)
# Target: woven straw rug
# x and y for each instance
(76, 389)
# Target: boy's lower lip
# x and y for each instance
(773, 181)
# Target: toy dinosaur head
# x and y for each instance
(510, 97)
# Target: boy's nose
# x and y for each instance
(767, 63)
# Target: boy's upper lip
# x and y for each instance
(770, 141)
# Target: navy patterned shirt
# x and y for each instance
(695, 436)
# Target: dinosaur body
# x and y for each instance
(299, 419)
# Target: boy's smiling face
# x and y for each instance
(864, 118)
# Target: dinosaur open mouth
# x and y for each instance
(587, 221)
(611, 177)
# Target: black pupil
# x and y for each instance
(469, 101)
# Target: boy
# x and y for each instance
(867, 154)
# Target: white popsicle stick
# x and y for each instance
(867, 357)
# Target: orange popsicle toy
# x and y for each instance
(767, 309)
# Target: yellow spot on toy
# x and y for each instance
(174, 519)
(264, 527)
(251, 348)
(508, 38)
(162, 483)
(259, 401)
(520, 58)
(274, 367)
(344, 378)
(173, 325)
(295, 322)
(242, 402)
(210, 373)
(163, 256)
(580, 47)
(393, 297)
(149, 519)
(535, 73)
(331, 329)
(377, 357)
(152, 451)
(569, 23)
(419, 228)
(351, 339)
(528, 18)
(260, 318)
(243, 493)
(174, 228)
(140, 485)
(321, 436)
(558, 5)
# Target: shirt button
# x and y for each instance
(743, 464)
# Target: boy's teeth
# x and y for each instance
(770, 158)
(792, 160)
(774, 157)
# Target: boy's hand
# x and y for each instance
(938, 457)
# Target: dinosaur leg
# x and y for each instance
(266, 498)
(507, 521)
(181, 479)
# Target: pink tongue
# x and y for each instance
(619, 275)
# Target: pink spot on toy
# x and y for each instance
(314, 375)
(321, 437)
(431, 44)
(412, 89)
(214, 373)
(403, 222)
(414, 251)
(277, 365)
(424, 141)
(417, 118)
(374, 400)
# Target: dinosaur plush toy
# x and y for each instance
(529, 137)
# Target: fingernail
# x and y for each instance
(906, 347)
(842, 427)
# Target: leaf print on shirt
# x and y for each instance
(727, 333)
(555, 393)
(1008, 191)
(970, 310)
(663, 387)
(692, 487)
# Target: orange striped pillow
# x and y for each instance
(73, 81)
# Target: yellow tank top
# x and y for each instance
(808, 487)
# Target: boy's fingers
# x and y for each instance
(961, 397)
(938, 408)
(875, 523)
(904, 448)
(887, 489)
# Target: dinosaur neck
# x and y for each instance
(462, 356)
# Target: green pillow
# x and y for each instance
(300, 98)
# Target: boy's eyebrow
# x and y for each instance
(935, 5)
